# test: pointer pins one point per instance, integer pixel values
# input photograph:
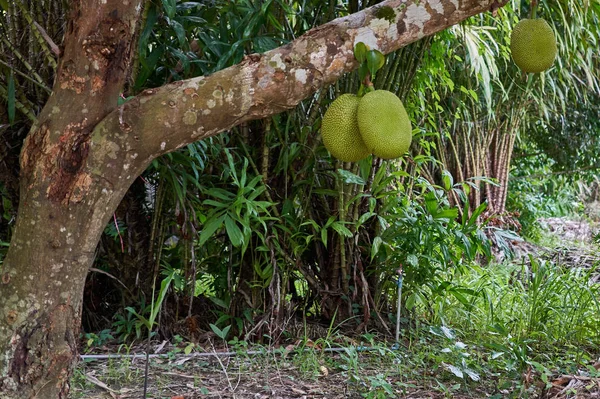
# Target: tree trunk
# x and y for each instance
(83, 153)
(64, 205)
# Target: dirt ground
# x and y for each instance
(252, 376)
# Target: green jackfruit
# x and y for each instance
(533, 45)
(384, 124)
(339, 130)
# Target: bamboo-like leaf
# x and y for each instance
(233, 232)
(209, 229)
(351, 178)
(341, 229)
(164, 287)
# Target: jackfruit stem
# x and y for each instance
(366, 86)
(534, 4)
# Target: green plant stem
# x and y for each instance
(343, 262)
(35, 82)
(534, 4)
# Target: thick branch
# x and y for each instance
(161, 120)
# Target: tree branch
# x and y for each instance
(161, 120)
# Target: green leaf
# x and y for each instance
(180, 32)
(216, 330)
(324, 237)
(209, 229)
(233, 232)
(411, 301)
(220, 194)
(477, 213)
(11, 98)
(455, 370)
(447, 180)
(188, 349)
(363, 71)
(341, 229)
(220, 333)
(141, 318)
(375, 60)
(4, 4)
(364, 217)
(164, 287)
(450, 214)
(412, 260)
(377, 241)
(360, 52)
(122, 100)
(219, 302)
(151, 19)
(170, 7)
(213, 203)
(431, 203)
(349, 177)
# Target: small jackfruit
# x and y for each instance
(384, 124)
(533, 45)
(339, 129)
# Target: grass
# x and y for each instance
(440, 361)
(516, 328)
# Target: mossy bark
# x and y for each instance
(84, 152)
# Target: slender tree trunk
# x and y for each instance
(83, 153)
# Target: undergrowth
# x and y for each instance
(524, 324)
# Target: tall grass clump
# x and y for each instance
(538, 304)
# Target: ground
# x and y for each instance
(423, 366)
(311, 374)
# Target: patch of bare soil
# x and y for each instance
(283, 374)
(223, 377)
(248, 374)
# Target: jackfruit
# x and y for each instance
(339, 129)
(384, 124)
(533, 45)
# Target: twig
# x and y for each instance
(93, 269)
(224, 371)
(102, 385)
(55, 49)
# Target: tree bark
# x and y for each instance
(84, 152)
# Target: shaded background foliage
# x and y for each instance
(260, 225)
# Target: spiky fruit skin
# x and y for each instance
(533, 45)
(384, 124)
(339, 129)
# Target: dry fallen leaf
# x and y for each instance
(324, 371)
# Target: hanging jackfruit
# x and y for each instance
(384, 125)
(533, 45)
(339, 129)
